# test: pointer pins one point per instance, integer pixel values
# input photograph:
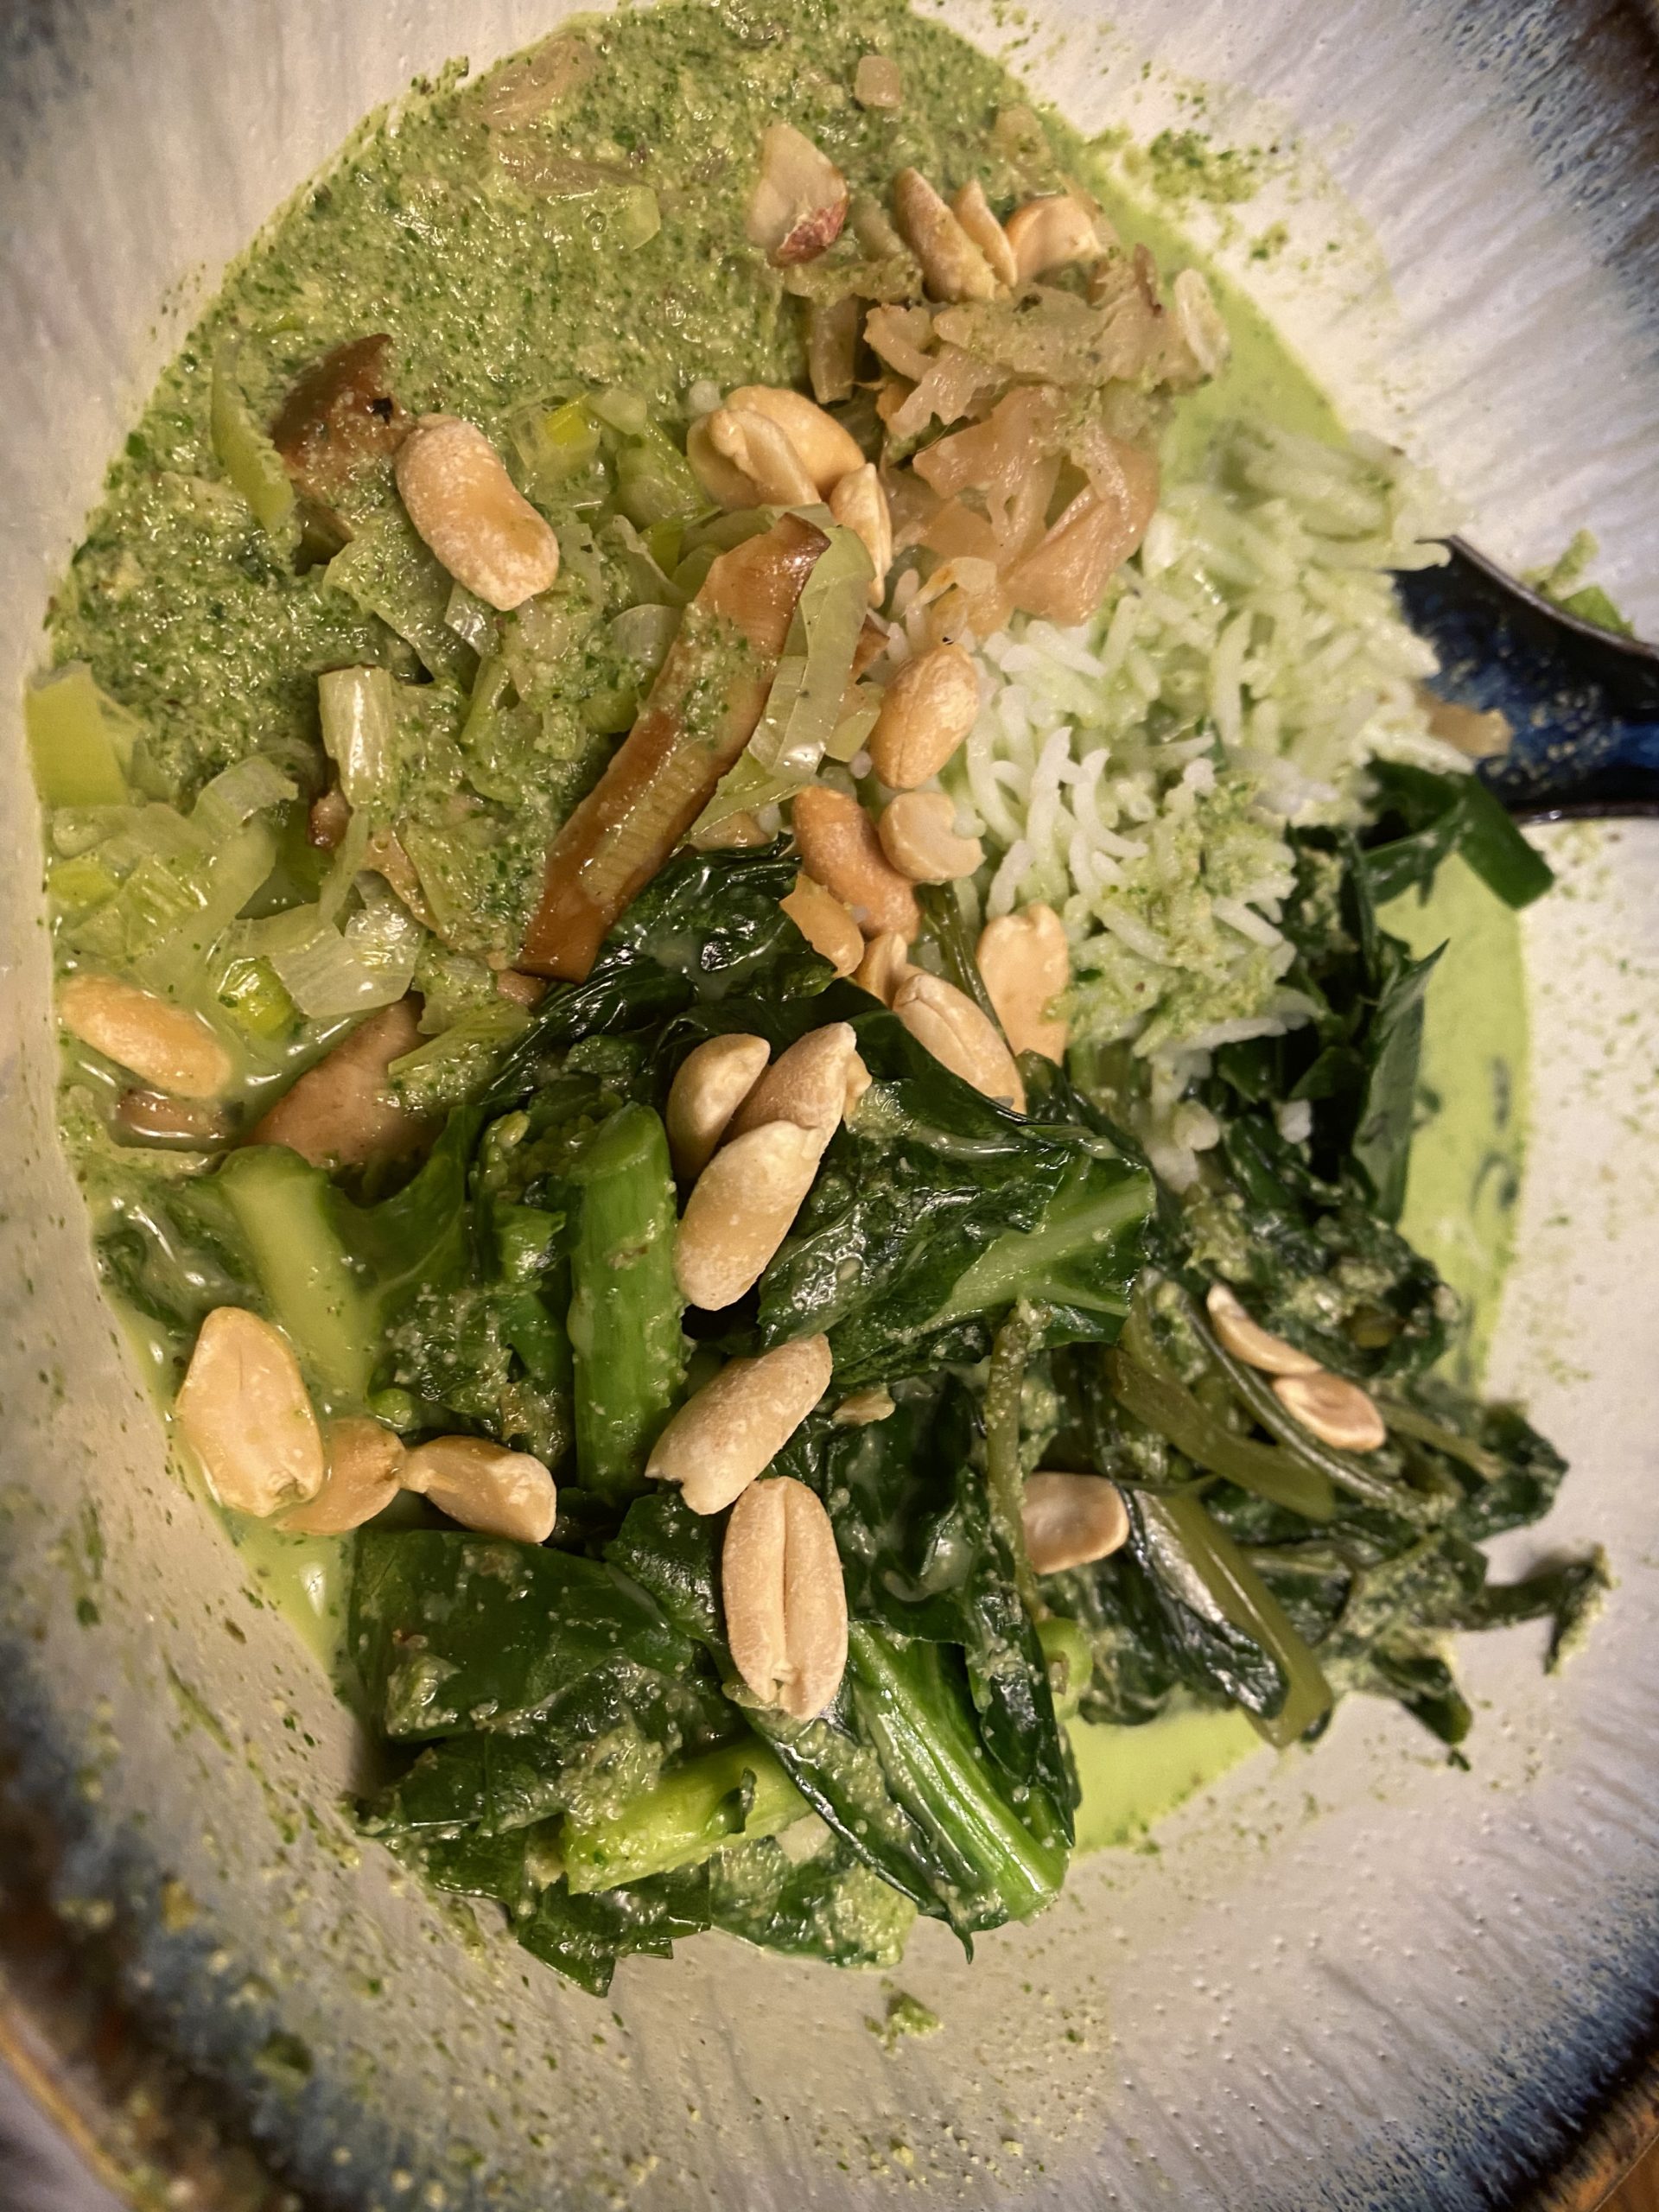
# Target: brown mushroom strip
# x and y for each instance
(341, 1112)
(339, 416)
(701, 713)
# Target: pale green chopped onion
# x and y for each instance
(237, 794)
(247, 454)
(328, 971)
(79, 742)
(357, 708)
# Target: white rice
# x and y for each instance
(1138, 773)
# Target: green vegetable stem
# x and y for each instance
(624, 1307)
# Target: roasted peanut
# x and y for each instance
(864, 1408)
(952, 265)
(825, 923)
(734, 1427)
(946, 1022)
(1045, 233)
(786, 1603)
(342, 1113)
(741, 1210)
(973, 211)
(458, 494)
(1069, 1520)
(1026, 964)
(840, 850)
(763, 455)
(1337, 1411)
(365, 1465)
(884, 967)
(171, 1048)
(917, 831)
(485, 1487)
(710, 1083)
(1247, 1340)
(858, 504)
(799, 200)
(926, 711)
(826, 451)
(243, 1409)
(806, 1084)
(726, 485)
(877, 84)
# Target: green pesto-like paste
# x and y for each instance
(504, 276)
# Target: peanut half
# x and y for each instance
(800, 199)
(953, 267)
(1070, 1520)
(784, 1601)
(884, 967)
(1247, 1340)
(1026, 963)
(973, 211)
(917, 831)
(858, 504)
(735, 1427)
(710, 1083)
(763, 455)
(740, 1209)
(485, 1487)
(1337, 1411)
(926, 711)
(363, 1473)
(809, 1084)
(826, 451)
(172, 1049)
(1046, 233)
(946, 1022)
(840, 850)
(244, 1411)
(458, 494)
(825, 923)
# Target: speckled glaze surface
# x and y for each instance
(1356, 1979)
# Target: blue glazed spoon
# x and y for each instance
(1583, 702)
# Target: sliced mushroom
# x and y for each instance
(341, 416)
(341, 1112)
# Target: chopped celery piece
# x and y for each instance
(390, 572)
(469, 618)
(284, 1209)
(224, 882)
(328, 971)
(663, 543)
(79, 742)
(77, 884)
(739, 1793)
(450, 1068)
(237, 794)
(637, 217)
(357, 708)
(251, 993)
(654, 482)
(620, 409)
(558, 449)
(625, 1307)
(803, 711)
(247, 454)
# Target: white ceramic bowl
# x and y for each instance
(1358, 1978)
